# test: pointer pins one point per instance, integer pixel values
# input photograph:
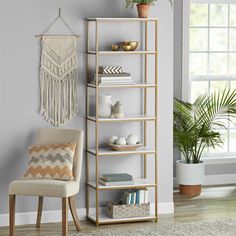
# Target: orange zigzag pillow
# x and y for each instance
(52, 161)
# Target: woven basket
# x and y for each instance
(116, 211)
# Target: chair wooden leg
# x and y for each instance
(40, 209)
(74, 213)
(64, 216)
(12, 204)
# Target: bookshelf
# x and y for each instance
(98, 217)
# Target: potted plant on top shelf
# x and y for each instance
(143, 6)
(196, 127)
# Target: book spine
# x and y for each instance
(137, 197)
(146, 200)
(132, 198)
(135, 194)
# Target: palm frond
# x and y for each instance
(196, 124)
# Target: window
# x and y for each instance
(209, 56)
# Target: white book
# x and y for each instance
(135, 197)
(118, 79)
(116, 183)
(141, 196)
(146, 200)
(118, 82)
(114, 78)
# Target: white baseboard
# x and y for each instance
(28, 218)
(216, 180)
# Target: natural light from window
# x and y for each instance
(212, 57)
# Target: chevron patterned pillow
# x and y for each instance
(53, 161)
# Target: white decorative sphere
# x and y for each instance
(113, 139)
(121, 141)
(132, 139)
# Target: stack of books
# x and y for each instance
(114, 79)
(139, 196)
(112, 75)
(116, 179)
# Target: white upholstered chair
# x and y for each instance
(66, 190)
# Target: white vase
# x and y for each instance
(105, 106)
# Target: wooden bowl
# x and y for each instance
(116, 147)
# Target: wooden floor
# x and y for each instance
(214, 203)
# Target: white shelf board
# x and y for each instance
(131, 117)
(121, 19)
(138, 183)
(137, 85)
(108, 152)
(103, 219)
(121, 52)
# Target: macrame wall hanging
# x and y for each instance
(58, 76)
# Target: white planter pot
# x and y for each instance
(190, 174)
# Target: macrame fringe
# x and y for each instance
(58, 86)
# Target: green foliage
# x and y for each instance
(131, 3)
(195, 125)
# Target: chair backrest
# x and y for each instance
(54, 136)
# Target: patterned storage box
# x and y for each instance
(116, 211)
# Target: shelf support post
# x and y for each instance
(156, 122)
(97, 123)
(87, 114)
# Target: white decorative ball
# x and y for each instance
(132, 139)
(121, 141)
(113, 139)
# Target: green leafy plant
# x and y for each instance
(195, 125)
(131, 3)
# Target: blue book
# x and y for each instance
(132, 198)
(137, 197)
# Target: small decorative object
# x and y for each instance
(124, 147)
(110, 70)
(58, 76)
(113, 139)
(129, 45)
(115, 47)
(123, 144)
(126, 47)
(143, 6)
(105, 106)
(118, 110)
(121, 141)
(132, 139)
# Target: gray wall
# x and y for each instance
(20, 20)
(178, 29)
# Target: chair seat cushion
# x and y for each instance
(44, 187)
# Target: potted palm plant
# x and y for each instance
(195, 129)
(143, 6)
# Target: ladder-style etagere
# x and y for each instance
(98, 152)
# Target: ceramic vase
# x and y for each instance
(118, 110)
(105, 106)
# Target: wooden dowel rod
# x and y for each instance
(40, 35)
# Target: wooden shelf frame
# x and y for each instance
(97, 152)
